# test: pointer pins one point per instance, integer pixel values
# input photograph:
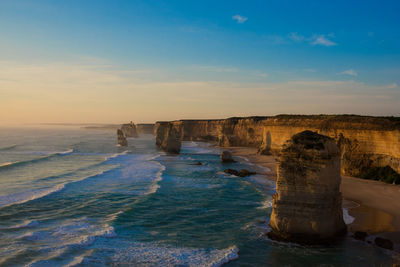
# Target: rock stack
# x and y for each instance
(129, 130)
(121, 138)
(307, 207)
(169, 138)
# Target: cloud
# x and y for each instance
(392, 86)
(240, 19)
(294, 36)
(350, 72)
(263, 75)
(322, 40)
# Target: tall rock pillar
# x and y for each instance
(307, 207)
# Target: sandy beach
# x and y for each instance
(374, 205)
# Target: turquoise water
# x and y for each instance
(71, 197)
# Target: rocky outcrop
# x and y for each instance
(241, 173)
(129, 130)
(226, 157)
(307, 207)
(145, 128)
(365, 142)
(121, 138)
(168, 138)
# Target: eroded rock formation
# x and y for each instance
(226, 157)
(365, 142)
(121, 138)
(307, 207)
(168, 138)
(145, 128)
(129, 130)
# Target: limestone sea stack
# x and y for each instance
(226, 157)
(121, 138)
(170, 140)
(129, 130)
(307, 207)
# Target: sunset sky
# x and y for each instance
(115, 61)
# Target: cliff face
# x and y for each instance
(168, 137)
(145, 128)
(365, 142)
(129, 130)
(307, 207)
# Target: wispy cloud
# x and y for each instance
(294, 36)
(322, 40)
(240, 19)
(263, 75)
(392, 86)
(350, 72)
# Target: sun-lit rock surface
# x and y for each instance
(129, 130)
(168, 138)
(307, 207)
(365, 142)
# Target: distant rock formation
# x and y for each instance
(129, 130)
(168, 138)
(226, 157)
(307, 207)
(121, 138)
(365, 142)
(145, 128)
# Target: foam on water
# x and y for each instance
(29, 195)
(22, 197)
(348, 219)
(153, 254)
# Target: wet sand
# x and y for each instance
(374, 205)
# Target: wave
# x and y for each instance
(23, 197)
(113, 156)
(152, 254)
(8, 147)
(23, 162)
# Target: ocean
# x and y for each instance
(72, 197)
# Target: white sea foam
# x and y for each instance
(150, 254)
(22, 197)
(348, 219)
(113, 156)
(66, 152)
(25, 196)
(266, 204)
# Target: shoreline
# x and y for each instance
(375, 206)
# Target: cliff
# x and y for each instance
(365, 142)
(168, 137)
(145, 128)
(129, 130)
(307, 207)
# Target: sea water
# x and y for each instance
(71, 197)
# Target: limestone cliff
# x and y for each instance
(307, 207)
(168, 138)
(129, 130)
(145, 128)
(365, 142)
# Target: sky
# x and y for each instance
(97, 61)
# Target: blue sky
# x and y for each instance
(343, 49)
